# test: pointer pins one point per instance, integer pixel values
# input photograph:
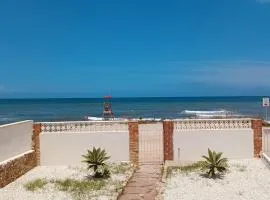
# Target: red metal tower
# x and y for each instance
(107, 108)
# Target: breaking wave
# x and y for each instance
(211, 113)
(101, 119)
(122, 119)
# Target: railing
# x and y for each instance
(209, 124)
(83, 126)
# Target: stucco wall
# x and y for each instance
(235, 144)
(15, 139)
(68, 148)
(266, 139)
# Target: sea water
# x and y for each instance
(12, 110)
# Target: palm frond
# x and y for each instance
(95, 159)
(214, 163)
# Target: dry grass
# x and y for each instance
(35, 184)
(85, 186)
(72, 185)
(119, 168)
(186, 168)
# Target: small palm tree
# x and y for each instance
(214, 163)
(96, 159)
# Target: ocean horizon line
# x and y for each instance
(70, 109)
(137, 97)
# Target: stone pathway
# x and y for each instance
(143, 184)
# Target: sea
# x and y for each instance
(73, 109)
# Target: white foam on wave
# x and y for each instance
(4, 119)
(122, 119)
(218, 116)
(94, 118)
(211, 113)
(149, 119)
(101, 119)
(206, 112)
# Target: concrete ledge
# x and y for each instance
(15, 123)
(15, 157)
(266, 159)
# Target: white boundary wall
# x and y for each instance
(190, 145)
(266, 140)
(15, 139)
(68, 148)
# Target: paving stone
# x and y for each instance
(142, 185)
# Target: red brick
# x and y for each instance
(168, 140)
(133, 128)
(256, 125)
(36, 142)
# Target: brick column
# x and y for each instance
(168, 140)
(256, 125)
(133, 128)
(36, 142)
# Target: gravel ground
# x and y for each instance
(245, 180)
(17, 191)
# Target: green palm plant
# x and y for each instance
(96, 159)
(214, 163)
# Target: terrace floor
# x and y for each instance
(143, 184)
(109, 191)
(245, 180)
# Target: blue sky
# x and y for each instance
(88, 48)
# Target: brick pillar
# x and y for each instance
(36, 142)
(133, 128)
(256, 125)
(168, 140)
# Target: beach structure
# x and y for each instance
(136, 141)
(107, 108)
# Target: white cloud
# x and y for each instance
(263, 1)
(244, 74)
(2, 88)
(238, 76)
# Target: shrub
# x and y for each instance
(96, 159)
(214, 163)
